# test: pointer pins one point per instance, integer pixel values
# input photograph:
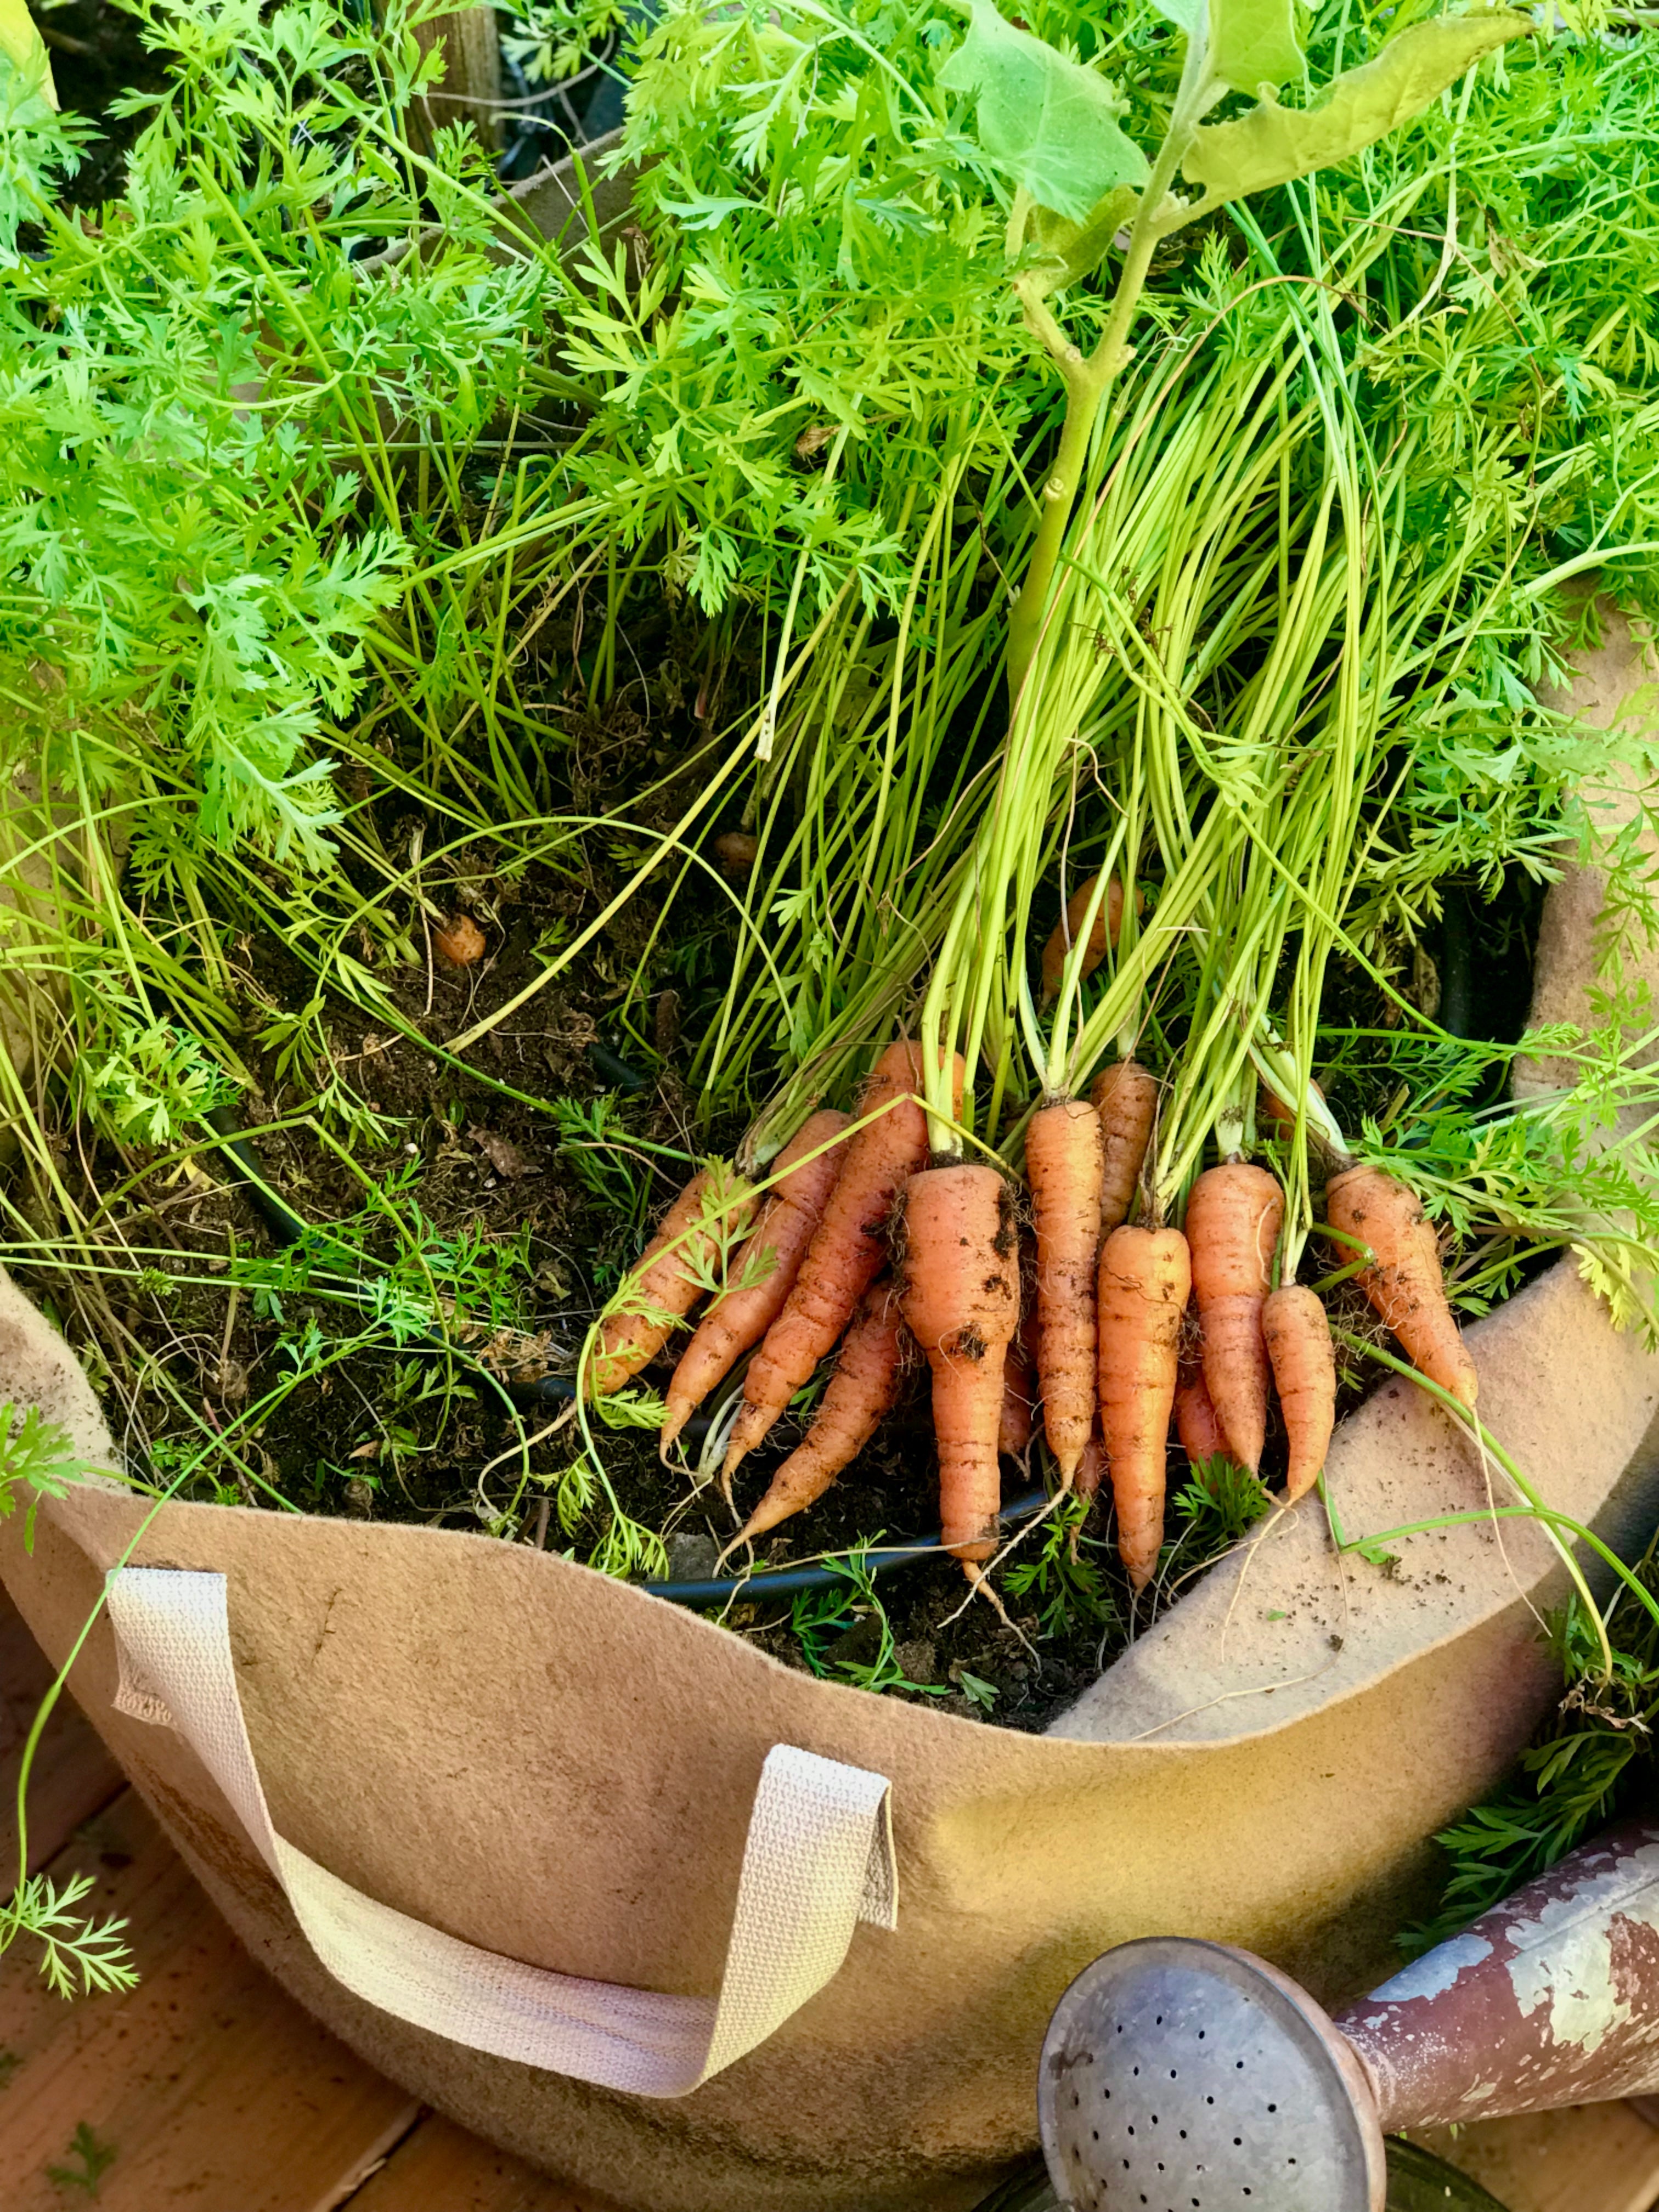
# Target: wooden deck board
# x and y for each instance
(1587, 2157)
(73, 1775)
(441, 2169)
(207, 2085)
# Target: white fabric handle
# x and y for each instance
(819, 1858)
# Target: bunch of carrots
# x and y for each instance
(867, 1239)
(1206, 633)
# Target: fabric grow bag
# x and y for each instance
(698, 1933)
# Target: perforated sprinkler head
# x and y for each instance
(1179, 2076)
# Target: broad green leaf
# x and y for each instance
(1070, 250)
(1253, 42)
(1185, 14)
(1272, 144)
(1047, 123)
(23, 45)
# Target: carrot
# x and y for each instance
(1019, 1391)
(1064, 1162)
(1107, 922)
(1091, 1466)
(1304, 1371)
(1125, 1097)
(959, 1289)
(459, 943)
(848, 1247)
(668, 1276)
(1144, 1277)
(1197, 1426)
(861, 1390)
(1405, 1284)
(1234, 1215)
(740, 1317)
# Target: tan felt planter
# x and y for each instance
(558, 1771)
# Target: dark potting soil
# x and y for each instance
(96, 54)
(412, 1143)
(393, 1433)
(355, 1434)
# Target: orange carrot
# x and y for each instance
(1405, 1284)
(1125, 1096)
(1091, 1466)
(1107, 922)
(1196, 1424)
(1304, 1370)
(1233, 1218)
(740, 1317)
(960, 1293)
(1019, 1396)
(848, 1247)
(861, 1390)
(1064, 1162)
(1144, 1277)
(459, 943)
(668, 1276)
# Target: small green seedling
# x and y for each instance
(91, 2161)
(977, 1690)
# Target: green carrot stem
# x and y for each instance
(1341, 1275)
(1088, 382)
(1367, 1257)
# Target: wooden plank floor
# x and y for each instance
(1588, 2158)
(205, 2086)
(207, 2089)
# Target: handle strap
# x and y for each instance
(818, 1859)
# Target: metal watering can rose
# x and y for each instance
(1177, 2074)
(1417, 2182)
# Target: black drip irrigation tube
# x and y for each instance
(287, 1229)
(784, 1582)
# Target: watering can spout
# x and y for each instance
(1182, 2076)
(1552, 1998)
